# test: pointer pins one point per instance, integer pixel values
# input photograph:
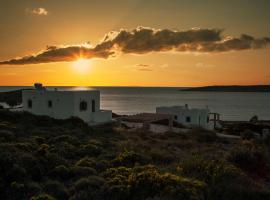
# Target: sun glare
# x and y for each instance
(81, 65)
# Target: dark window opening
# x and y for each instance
(29, 103)
(188, 119)
(175, 117)
(83, 105)
(50, 104)
(93, 106)
(208, 119)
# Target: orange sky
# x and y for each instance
(24, 30)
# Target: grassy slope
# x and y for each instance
(43, 158)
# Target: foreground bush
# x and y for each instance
(224, 181)
(249, 158)
(147, 182)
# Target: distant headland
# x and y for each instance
(231, 88)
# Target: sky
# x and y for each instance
(134, 42)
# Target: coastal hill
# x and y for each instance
(231, 88)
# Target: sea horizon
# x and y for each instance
(133, 100)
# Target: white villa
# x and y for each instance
(84, 104)
(187, 116)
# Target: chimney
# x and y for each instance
(39, 86)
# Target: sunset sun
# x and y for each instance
(81, 65)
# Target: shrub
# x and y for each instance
(17, 190)
(60, 172)
(42, 197)
(247, 135)
(7, 135)
(79, 171)
(162, 157)
(249, 158)
(90, 188)
(86, 162)
(33, 188)
(65, 138)
(129, 159)
(203, 135)
(56, 189)
(90, 150)
(147, 182)
(224, 181)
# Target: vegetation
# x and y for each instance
(46, 159)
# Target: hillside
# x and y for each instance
(44, 158)
(231, 88)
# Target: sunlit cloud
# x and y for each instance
(144, 40)
(38, 11)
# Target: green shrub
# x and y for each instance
(7, 135)
(17, 190)
(147, 182)
(249, 158)
(247, 135)
(60, 172)
(86, 162)
(78, 171)
(90, 150)
(65, 138)
(42, 197)
(129, 159)
(162, 157)
(224, 181)
(56, 189)
(90, 188)
(33, 188)
(203, 135)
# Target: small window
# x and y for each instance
(93, 106)
(29, 103)
(188, 119)
(175, 117)
(83, 105)
(50, 104)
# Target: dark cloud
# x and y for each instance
(144, 40)
(59, 54)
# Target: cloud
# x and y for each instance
(58, 54)
(203, 65)
(38, 11)
(143, 67)
(144, 40)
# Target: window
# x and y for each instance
(93, 106)
(208, 119)
(83, 105)
(50, 104)
(175, 117)
(188, 119)
(29, 103)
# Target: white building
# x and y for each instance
(65, 104)
(187, 116)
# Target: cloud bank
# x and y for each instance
(145, 40)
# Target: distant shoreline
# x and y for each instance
(230, 88)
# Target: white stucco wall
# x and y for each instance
(66, 104)
(198, 117)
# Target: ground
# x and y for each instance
(44, 158)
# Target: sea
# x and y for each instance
(132, 100)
